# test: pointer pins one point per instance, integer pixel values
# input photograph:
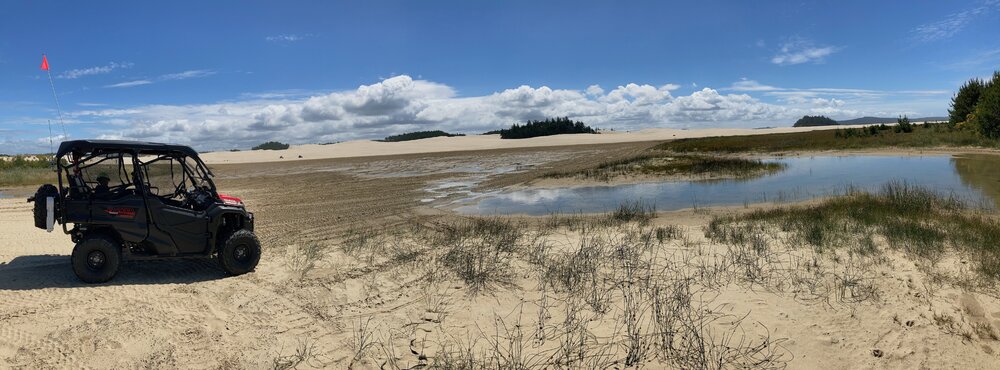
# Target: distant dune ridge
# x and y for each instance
(366, 148)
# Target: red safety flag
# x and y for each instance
(45, 63)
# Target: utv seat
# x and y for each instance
(78, 188)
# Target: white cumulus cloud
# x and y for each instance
(402, 103)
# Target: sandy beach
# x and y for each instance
(376, 293)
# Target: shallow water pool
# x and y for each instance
(973, 178)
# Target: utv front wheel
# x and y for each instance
(240, 253)
(96, 259)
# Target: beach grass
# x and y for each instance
(910, 218)
(927, 135)
(663, 164)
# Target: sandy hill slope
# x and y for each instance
(366, 148)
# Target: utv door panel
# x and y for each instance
(188, 229)
(76, 211)
(161, 242)
(127, 215)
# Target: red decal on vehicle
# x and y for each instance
(232, 201)
(123, 212)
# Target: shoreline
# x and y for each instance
(542, 182)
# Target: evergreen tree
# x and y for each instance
(903, 124)
(964, 102)
(988, 110)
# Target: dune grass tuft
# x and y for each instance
(479, 251)
(910, 218)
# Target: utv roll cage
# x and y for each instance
(84, 151)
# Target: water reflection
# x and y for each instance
(980, 172)
(968, 177)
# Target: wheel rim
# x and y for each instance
(96, 260)
(241, 253)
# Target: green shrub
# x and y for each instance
(903, 125)
(271, 145)
(964, 102)
(865, 131)
(988, 110)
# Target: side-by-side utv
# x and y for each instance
(137, 200)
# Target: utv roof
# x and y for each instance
(89, 146)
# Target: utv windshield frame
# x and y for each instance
(197, 176)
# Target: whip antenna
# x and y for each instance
(45, 67)
(51, 149)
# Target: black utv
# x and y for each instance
(137, 200)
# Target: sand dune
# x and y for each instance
(366, 148)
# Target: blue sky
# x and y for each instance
(221, 74)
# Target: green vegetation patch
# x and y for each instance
(418, 135)
(920, 136)
(271, 145)
(977, 105)
(809, 121)
(668, 164)
(915, 220)
(26, 170)
(550, 126)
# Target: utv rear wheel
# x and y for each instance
(41, 198)
(96, 259)
(240, 253)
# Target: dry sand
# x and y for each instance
(186, 314)
(365, 148)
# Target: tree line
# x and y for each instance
(417, 135)
(810, 121)
(977, 106)
(271, 145)
(547, 127)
